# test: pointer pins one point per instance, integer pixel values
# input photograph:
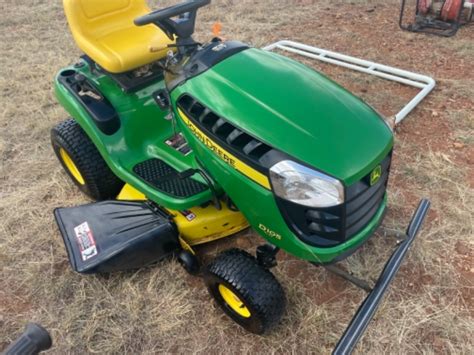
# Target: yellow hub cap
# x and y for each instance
(71, 166)
(234, 302)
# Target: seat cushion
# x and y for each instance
(105, 31)
(127, 49)
(93, 8)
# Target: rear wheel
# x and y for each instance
(83, 162)
(247, 292)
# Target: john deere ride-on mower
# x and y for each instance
(184, 143)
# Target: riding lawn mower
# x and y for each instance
(183, 143)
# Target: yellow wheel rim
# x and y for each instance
(234, 302)
(71, 167)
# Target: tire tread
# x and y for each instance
(256, 285)
(101, 183)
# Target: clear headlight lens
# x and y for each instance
(299, 184)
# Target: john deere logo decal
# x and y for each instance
(375, 175)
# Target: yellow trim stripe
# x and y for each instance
(227, 157)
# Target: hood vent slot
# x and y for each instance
(227, 135)
(222, 128)
(197, 109)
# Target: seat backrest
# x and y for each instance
(95, 18)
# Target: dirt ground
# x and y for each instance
(429, 308)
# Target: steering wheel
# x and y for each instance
(182, 27)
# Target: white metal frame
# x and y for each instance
(425, 83)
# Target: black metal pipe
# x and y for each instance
(351, 278)
(367, 309)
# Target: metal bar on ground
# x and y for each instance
(364, 285)
(423, 82)
(367, 309)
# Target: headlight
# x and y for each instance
(299, 184)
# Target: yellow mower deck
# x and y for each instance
(197, 225)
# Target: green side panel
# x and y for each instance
(297, 110)
(142, 136)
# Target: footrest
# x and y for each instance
(161, 176)
(115, 235)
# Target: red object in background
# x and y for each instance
(451, 9)
(424, 6)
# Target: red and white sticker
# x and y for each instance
(188, 214)
(85, 240)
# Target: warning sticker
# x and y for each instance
(85, 240)
(188, 214)
(178, 142)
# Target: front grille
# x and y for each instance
(327, 227)
(251, 150)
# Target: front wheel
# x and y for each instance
(247, 292)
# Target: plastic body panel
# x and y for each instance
(143, 132)
(99, 109)
(115, 235)
(299, 111)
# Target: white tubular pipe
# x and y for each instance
(372, 69)
(469, 5)
(423, 82)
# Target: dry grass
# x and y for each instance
(160, 309)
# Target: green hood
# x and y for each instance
(296, 110)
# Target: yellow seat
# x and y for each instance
(104, 30)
